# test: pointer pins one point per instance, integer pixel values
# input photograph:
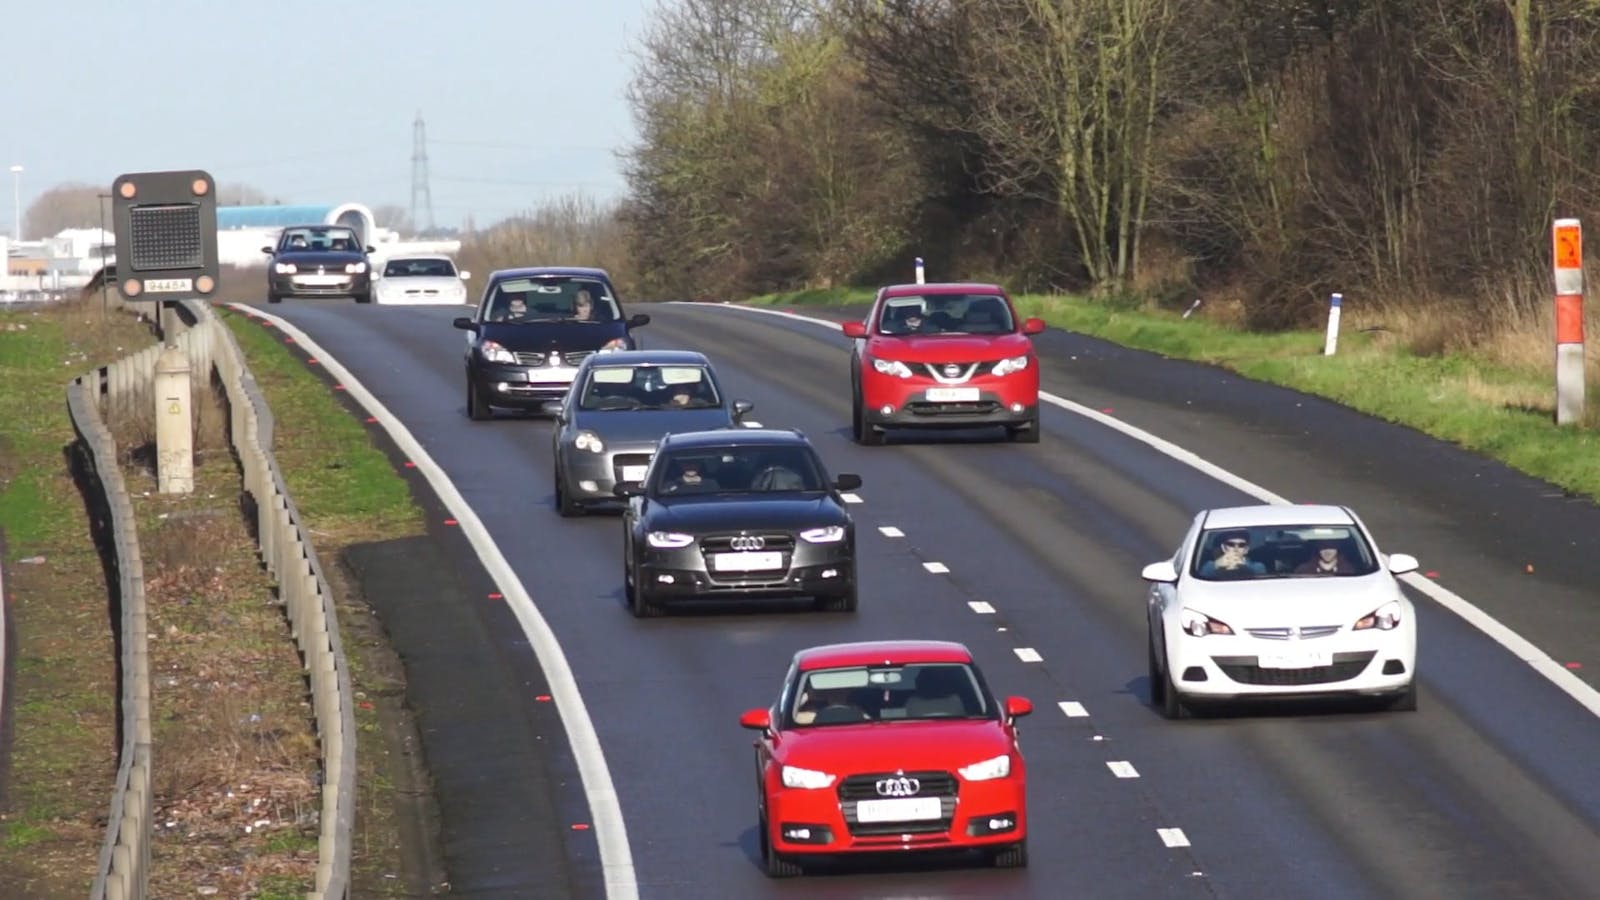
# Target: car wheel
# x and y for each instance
(274, 298)
(1158, 681)
(477, 409)
(565, 505)
(1025, 434)
(844, 603)
(1406, 701)
(640, 603)
(855, 415)
(1012, 857)
(777, 865)
(364, 298)
(1171, 701)
(865, 434)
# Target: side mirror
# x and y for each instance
(1017, 707)
(741, 408)
(1033, 325)
(847, 482)
(465, 275)
(464, 323)
(854, 329)
(627, 489)
(756, 720)
(1161, 572)
(1401, 563)
(551, 408)
(371, 249)
(638, 320)
(267, 250)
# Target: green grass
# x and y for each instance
(1451, 397)
(22, 835)
(338, 479)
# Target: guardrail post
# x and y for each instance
(174, 422)
(1567, 245)
(1331, 342)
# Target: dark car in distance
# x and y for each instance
(533, 328)
(620, 406)
(738, 513)
(319, 261)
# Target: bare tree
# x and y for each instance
(74, 205)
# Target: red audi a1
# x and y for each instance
(888, 746)
(944, 356)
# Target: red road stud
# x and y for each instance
(580, 826)
(1574, 665)
(451, 522)
(1107, 410)
(288, 340)
(338, 387)
(1431, 574)
(311, 361)
(372, 420)
(543, 698)
(366, 704)
(496, 595)
(410, 464)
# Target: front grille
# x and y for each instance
(574, 357)
(542, 358)
(624, 460)
(723, 543)
(1284, 634)
(939, 372)
(165, 237)
(1345, 667)
(772, 542)
(932, 784)
(982, 407)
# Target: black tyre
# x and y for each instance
(1405, 701)
(274, 298)
(1026, 434)
(640, 603)
(477, 407)
(565, 505)
(865, 434)
(843, 602)
(1158, 681)
(364, 298)
(1012, 857)
(777, 865)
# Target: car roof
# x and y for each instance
(442, 256)
(943, 287)
(725, 437)
(657, 357)
(1277, 514)
(866, 653)
(531, 271)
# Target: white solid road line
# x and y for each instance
(1073, 709)
(616, 858)
(1516, 644)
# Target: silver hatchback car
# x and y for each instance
(620, 405)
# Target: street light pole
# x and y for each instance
(16, 202)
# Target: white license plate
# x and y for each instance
(746, 562)
(634, 473)
(900, 809)
(1304, 660)
(553, 375)
(320, 280)
(168, 285)
(952, 395)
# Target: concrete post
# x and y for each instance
(1567, 246)
(1330, 343)
(174, 423)
(920, 272)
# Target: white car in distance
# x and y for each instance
(1279, 601)
(420, 280)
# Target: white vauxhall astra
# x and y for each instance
(1279, 601)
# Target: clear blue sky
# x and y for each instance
(314, 101)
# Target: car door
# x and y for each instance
(1164, 596)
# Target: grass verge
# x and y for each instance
(58, 771)
(348, 493)
(1498, 404)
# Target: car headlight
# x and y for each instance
(828, 534)
(989, 769)
(355, 268)
(1384, 618)
(1014, 364)
(807, 779)
(892, 367)
(284, 268)
(1199, 624)
(588, 440)
(669, 540)
(613, 344)
(493, 352)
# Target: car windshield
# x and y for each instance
(1282, 551)
(736, 469)
(320, 239)
(419, 268)
(552, 299)
(612, 387)
(946, 314)
(911, 692)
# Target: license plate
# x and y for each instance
(320, 280)
(634, 473)
(553, 375)
(952, 395)
(168, 285)
(1304, 660)
(746, 562)
(900, 809)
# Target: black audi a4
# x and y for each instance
(533, 328)
(738, 513)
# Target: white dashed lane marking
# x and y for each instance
(1073, 709)
(850, 497)
(1122, 769)
(937, 568)
(890, 531)
(980, 607)
(1028, 654)
(1173, 837)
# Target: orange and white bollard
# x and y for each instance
(1567, 251)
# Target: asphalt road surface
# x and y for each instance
(1491, 789)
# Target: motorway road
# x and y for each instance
(1492, 789)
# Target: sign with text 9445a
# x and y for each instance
(166, 234)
